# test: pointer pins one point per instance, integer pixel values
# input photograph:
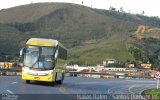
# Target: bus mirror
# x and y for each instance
(56, 54)
(22, 51)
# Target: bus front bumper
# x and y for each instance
(45, 78)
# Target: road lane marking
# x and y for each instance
(148, 87)
(64, 89)
(10, 91)
(139, 88)
(14, 83)
(131, 88)
(109, 90)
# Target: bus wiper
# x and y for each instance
(26, 65)
(30, 67)
(34, 63)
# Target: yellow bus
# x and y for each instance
(43, 60)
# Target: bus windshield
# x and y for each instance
(39, 57)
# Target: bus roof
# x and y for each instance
(44, 42)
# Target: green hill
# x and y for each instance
(91, 35)
(27, 13)
(96, 51)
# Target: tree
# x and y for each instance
(82, 2)
(143, 12)
(121, 10)
(112, 9)
(138, 54)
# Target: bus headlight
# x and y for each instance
(25, 69)
(51, 73)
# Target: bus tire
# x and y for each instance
(61, 81)
(28, 81)
(53, 83)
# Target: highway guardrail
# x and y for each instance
(74, 73)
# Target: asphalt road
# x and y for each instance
(13, 86)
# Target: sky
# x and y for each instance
(150, 7)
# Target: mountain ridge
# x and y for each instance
(90, 34)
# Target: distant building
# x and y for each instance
(76, 67)
(147, 66)
(152, 73)
(115, 69)
(99, 68)
(130, 65)
(109, 61)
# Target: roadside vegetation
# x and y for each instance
(153, 92)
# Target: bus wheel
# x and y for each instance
(53, 83)
(27, 81)
(61, 81)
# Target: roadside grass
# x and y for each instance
(153, 92)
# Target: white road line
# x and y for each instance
(14, 83)
(10, 91)
(148, 87)
(139, 88)
(131, 88)
(109, 90)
